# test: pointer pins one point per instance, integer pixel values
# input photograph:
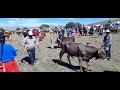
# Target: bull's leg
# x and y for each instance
(87, 63)
(68, 57)
(61, 54)
(80, 63)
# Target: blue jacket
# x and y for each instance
(62, 31)
(68, 30)
(8, 53)
(91, 30)
(107, 27)
(84, 29)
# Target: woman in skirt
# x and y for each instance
(7, 54)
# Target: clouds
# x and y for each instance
(23, 22)
(35, 22)
(27, 22)
(67, 18)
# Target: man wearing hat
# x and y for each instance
(51, 38)
(107, 44)
(30, 42)
(63, 32)
(7, 54)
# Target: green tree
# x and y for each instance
(17, 29)
(70, 25)
(109, 22)
(25, 28)
(79, 25)
(44, 26)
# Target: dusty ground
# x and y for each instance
(48, 59)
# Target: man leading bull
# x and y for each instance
(82, 52)
(107, 44)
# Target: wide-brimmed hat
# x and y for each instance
(107, 30)
(30, 33)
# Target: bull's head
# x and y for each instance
(101, 54)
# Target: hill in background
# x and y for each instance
(104, 22)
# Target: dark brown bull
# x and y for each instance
(7, 34)
(114, 29)
(65, 39)
(83, 52)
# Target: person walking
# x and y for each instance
(29, 43)
(51, 38)
(36, 35)
(100, 31)
(63, 32)
(24, 33)
(7, 54)
(68, 32)
(84, 31)
(80, 32)
(91, 31)
(107, 44)
(59, 34)
(73, 32)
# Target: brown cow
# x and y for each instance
(64, 40)
(83, 52)
(7, 34)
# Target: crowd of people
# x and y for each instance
(85, 31)
(32, 38)
(8, 53)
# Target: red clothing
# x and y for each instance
(35, 32)
(40, 38)
(10, 66)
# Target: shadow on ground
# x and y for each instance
(75, 68)
(93, 37)
(26, 59)
(55, 47)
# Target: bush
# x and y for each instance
(44, 26)
(17, 29)
(72, 24)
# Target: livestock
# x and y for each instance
(82, 52)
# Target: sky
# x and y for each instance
(33, 22)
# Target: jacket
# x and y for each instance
(8, 53)
(29, 43)
(36, 32)
(68, 30)
(107, 40)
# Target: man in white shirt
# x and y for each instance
(30, 42)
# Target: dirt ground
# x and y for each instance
(48, 59)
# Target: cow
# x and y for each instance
(83, 52)
(7, 35)
(64, 40)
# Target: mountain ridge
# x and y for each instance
(104, 22)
